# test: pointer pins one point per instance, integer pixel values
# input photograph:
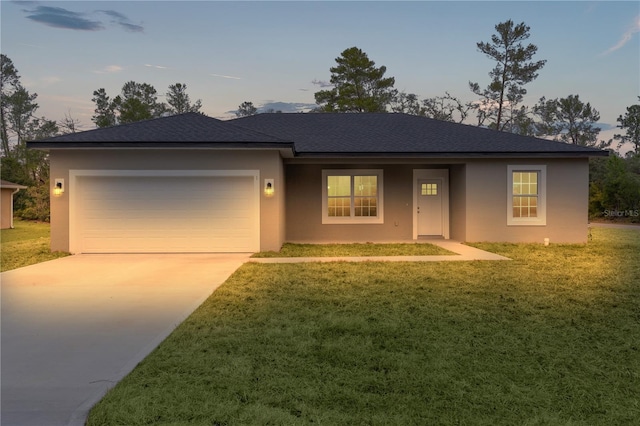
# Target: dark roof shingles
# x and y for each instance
(183, 128)
(394, 133)
(318, 134)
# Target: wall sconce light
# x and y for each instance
(58, 188)
(268, 187)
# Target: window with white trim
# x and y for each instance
(526, 195)
(352, 196)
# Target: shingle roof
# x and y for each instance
(320, 135)
(399, 134)
(181, 130)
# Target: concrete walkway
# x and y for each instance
(73, 327)
(463, 253)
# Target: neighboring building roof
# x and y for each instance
(398, 134)
(11, 185)
(321, 135)
(190, 129)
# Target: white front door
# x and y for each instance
(430, 207)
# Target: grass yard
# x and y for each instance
(549, 338)
(26, 244)
(331, 250)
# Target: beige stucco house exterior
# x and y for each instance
(7, 190)
(190, 183)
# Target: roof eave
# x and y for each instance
(44, 145)
(13, 186)
(549, 154)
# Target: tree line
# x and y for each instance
(356, 86)
(139, 101)
(360, 86)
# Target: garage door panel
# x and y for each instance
(167, 214)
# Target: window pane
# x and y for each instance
(339, 186)
(525, 206)
(365, 206)
(517, 201)
(533, 207)
(339, 206)
(365, 185)
(525, 183)
(429, 189)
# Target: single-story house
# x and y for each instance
(191, 183)
(7, 190)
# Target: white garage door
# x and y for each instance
(166, 214)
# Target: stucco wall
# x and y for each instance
(6, 212)
(458, 202)
(478, 195)
(269, 163)
(304, 205)
(477, 203)
(567, 201)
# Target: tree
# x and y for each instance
(179, 101)
(446, 108)
(9, 82)
(521, 122)
(630, 123)
(514, 68)
(614, 188)
(406, 103)
(105, 112)
(358, 85)
(19, 124)
(69, 124)
(138, 101)
(246, 109)
(21, 108)
(569, 120)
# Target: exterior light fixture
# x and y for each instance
(58, 188)
(268, 188)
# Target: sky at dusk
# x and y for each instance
(278, 54)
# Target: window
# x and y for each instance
(429, 189)
(352, 196)
(526, 195)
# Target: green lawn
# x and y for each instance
(549, 338)
(335, 250)
(26, 244)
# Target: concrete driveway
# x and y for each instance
(73, 327)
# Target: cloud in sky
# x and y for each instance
(271, 106)
(321, 83)
(110, 69)
(226, 76)
(626, 37)
(59, 17)
(123, 21)
(160, 67)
